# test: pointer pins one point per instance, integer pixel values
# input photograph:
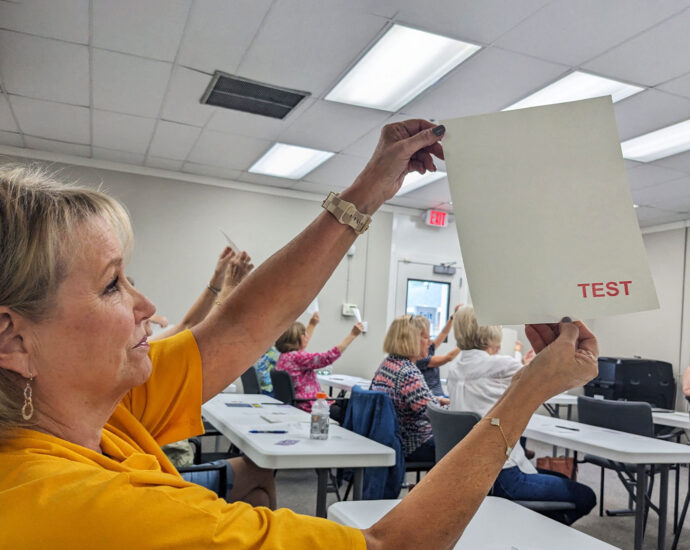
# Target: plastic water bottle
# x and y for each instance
(320, 416)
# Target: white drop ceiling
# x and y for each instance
(120, 80)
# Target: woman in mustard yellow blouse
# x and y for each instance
(86, 401)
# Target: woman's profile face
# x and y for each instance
(424, 343)
(93, 344)
(304, 341)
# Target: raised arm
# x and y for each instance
(463, 478)
(233, 335)
(204, 302)
(438, 360)
(356, 331)
(311, 325)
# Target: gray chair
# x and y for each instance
(250, 381)
(450, 427)
(633, 417)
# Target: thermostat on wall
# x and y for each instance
(436, 218)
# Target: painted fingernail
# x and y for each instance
(566, 320)
(439, 130)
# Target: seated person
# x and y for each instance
(401, 380)
(476, 380)
(302, 365)
(428, 365)
(268, 360)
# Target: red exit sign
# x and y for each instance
(437, 218)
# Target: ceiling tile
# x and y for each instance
(6, 119)
(173, 141)
(122, 132)
(487, 82)
(211, 171)
(648, 111)
(652, 57)
(129, 84)
(319, 188)
(469, 20)
(332, 126)
(124, 157)
(58, 146)
(364, 146)
(647, 175)
(226, 150)
(680, 162)
(308, 44)
(164, 164)
(61, 19)
(219, 32)
(150, 29)
(339, 171)
(679, 86)
(664, 194)
(11, 139)
(434, 193)
(574, 32)
(44, 69)
(655, 216)
(52, 120)
(182, 100)
(248, 124)
(269, 181)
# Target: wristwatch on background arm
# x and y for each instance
(346, 213)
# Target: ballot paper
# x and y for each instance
(231, 244)
(544, 214)
(313, 307)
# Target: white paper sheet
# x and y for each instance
(313, 307)
(544, 214)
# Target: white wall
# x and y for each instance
(177, 243)
(656, 334)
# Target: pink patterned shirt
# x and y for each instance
(302, 366)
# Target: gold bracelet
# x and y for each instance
(213, 289)
(218, 302)
(494, 421)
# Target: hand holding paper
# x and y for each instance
(550, 179)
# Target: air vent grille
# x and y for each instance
(240, 94)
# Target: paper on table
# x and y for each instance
(544, 214)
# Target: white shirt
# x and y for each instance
(475, 382)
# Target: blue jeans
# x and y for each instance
(513, 484)
(210, 478)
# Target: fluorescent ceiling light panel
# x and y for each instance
(658, 144)
(576, 86)
(415, 180)
(289, 161)
(400, 66)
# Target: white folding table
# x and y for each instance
(343, 382)
(498, 523)
(619, 447)
(236, 415)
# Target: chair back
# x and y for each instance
(633, 417)
(250, 381)
(283, 389)
(372, 415)
(449, 427)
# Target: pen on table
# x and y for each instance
(569, 428)
(267, 431)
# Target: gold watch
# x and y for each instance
(346, 213)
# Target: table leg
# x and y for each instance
(570, 412)
(322, 488)
(639, 506)
(663, 506)
(357, 483)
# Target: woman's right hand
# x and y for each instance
(357, 329)
(566, 357)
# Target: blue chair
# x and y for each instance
(371, 414)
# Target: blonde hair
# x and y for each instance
(291, 339)
(422, 323)
(470, 335)
(403, 337)
(39, 216)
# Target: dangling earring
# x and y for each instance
(28, 408)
